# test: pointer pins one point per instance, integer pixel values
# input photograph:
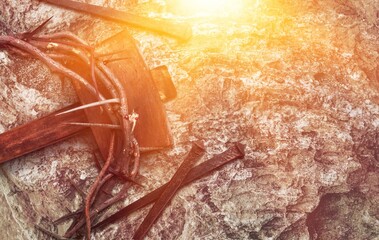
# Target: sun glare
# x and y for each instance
(208, 7)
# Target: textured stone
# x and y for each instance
(296, 81)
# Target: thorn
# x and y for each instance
(97, 161)
(67, 217)
(124, 178)
(77, 188)
(100, 55)
(103, 125)
(107, 192)
(51, 234)
(115, 59)
(94, 104)
(133, 119)
(93, 76)
(37, 29)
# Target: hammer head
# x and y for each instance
(122, 57)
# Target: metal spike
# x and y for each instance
(237, 151)
(94, 104)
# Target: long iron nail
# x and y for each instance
(237, 151)
(172, 186)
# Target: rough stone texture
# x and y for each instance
(345, 216)
(296, 81)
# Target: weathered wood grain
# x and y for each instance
(39, 134)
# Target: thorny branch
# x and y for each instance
(94, 187)
(65, 46)
(53, 65)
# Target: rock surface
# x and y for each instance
(296, 81)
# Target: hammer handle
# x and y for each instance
(177, 30)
